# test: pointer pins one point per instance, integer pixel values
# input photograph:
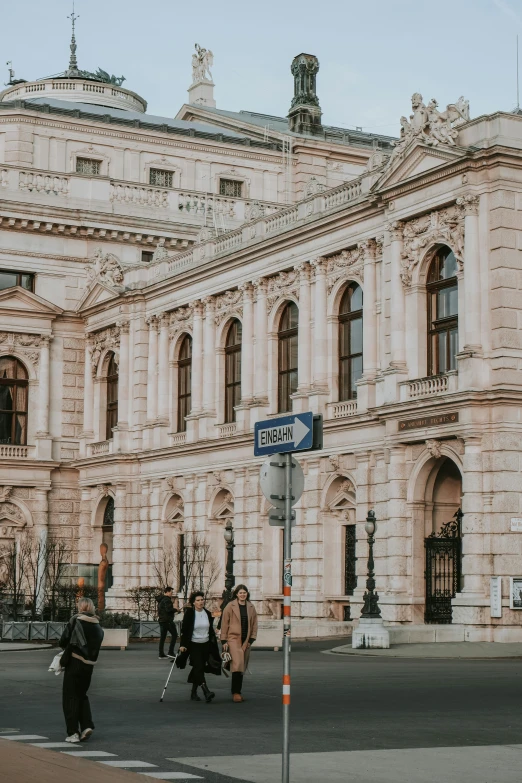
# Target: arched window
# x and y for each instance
(108, 515)
(184, 382)
(13, 401)
(350, 341)
(112, 396)
(287, 338)
(442, 289)
(232, 370)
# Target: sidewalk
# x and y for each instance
(21, 763)
(18, 646)
(439, 650)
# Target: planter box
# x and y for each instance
(16, 631)
(54, 631)
(38, 631)
(146, 629)
(116, 637)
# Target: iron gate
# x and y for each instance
(443, 570)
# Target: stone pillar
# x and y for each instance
(261, 343)
(247, 347)
(472, 315)
(88, 401)
(120, 554)
(85, 532)
(152, 370)
(397, 370)
(366, 386)
(207, 422)
(161, 437)
(43, 439)
(300, 402)
(197, 372)
(319, 392)
(120, 432)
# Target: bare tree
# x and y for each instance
(58, 557)
(13, 556)
(201, 568)
(35, 553)
(164, 566)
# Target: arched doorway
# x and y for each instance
(443, 540)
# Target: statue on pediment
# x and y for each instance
(202, 60)
(105, 268)
(430, 125)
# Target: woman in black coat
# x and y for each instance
(198, 639)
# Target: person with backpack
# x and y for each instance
(166, 612)
(81, 642)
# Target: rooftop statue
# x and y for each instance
(202, 60)
(430, 125)
(105, 268)
(102, 76)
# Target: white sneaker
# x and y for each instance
(86, 733)
(73, 738)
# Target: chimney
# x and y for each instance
(305, 113)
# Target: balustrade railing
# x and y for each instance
(427, 387)
(228, 241)
(43, 183)
(8, 450)
(143, 195)
(281, 219)
(342, 194)
(179, 438)
(227, 430)
(102, 447)
(339, 410)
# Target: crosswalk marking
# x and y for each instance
(127, 764)
(50, 745)
(172, 776)
(22, 737)
(84, 754)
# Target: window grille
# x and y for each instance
(231, 188)
(10, 279)
(161, 178)
(88, 166)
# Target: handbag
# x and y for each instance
(56, 664)
(181, 659)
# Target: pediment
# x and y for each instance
(342, 501)
(225, 510)
(17, 299)
(99, 292)
(416, 160)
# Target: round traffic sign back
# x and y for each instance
(272, 480)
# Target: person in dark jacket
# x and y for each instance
(166, 612)
(198, 638)
(81, 641)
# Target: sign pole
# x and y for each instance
(287, 617)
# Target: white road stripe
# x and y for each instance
(85, 754)
(50, 744)
(127, 764)
(172, 776)
(22, 737)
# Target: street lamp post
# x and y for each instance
(371, 631)
(230, 579)
(371, 597)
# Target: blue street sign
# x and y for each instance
(286, 433)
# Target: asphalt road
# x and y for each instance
(339, 703)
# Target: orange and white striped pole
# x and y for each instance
(287, 616)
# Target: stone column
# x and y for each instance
(397, 309)
(261, 347)
(197, 358)
(120, 563)
(472, 315)
(247, 346)
(152, 369)
(43, 391)
(123, 376)
(207, 422)
(163, 368)
(304, 338)
(88, 401)
(320, 327)
(369, 249)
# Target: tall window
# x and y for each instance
(350, 341)
(13, 401)
(232, 370)
(442, 313)
(10, 279)
(231, 188)
(112, 396)
(350, 572)
(184, 382)
(288, 328)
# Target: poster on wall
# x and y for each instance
(496, 596)
(515, 592)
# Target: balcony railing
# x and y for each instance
(8, 450)
(227, 430)
(338, 410)
(100, 448)
(432, 386)
(179, 438)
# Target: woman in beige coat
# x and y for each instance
(238, 634)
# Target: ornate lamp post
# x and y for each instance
(371, 631)
(371, 597)
(230, 579)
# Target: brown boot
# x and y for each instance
(237, 697)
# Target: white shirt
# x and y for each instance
(200, 634)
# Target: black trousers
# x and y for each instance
(76, 708)
(166, 628)
(237, 682)
(198, 658)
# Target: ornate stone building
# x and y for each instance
(167, 283)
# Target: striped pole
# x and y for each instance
(287, 616)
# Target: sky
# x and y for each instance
(373, 54)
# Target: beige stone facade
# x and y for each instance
(315, 215)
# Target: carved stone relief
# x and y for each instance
(228, 303)
(339, 264)
(108, 339)
(105, 268)
(283, 284)
(431, 126)
(434, 447)
(23, 344)
(444, 226)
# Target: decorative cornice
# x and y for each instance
(469, 203)
(444, 226)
